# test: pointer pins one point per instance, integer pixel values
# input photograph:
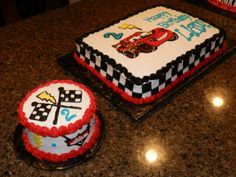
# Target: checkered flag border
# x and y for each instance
(152, 86)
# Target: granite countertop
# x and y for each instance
(190, 135)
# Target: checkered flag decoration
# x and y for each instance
(40, 112)
(74, 96)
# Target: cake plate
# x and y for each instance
(23, 154)
(137, 112)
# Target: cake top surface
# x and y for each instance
(57, 108)
(150, 39)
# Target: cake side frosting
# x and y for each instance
(156, 27)
(154, 90)
(61, 148)
(229, 5)
(57, 108)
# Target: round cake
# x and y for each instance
(59, 120)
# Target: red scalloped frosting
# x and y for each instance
(173, 84)
(222, 5)
(41, 155)
(62, 130)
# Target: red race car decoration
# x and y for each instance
(144, 42)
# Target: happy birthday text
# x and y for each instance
(192, 29)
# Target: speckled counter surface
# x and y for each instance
(190, 135)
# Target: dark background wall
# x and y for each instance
(14, 10)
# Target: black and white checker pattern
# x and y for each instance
(74, 96)
(229, 2)
(151, 87)
(40, 112)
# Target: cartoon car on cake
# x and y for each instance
(144, 42)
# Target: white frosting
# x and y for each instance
(147, 63)
(66, 114)
(59, 145)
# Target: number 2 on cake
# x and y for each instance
(67, 115)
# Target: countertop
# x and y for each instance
(190, 135)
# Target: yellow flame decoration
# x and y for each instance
(128, 26)
(37, 140)
(47, 96)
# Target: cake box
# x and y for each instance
(59, 121)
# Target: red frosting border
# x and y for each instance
(222, 5)
(41, 155)
(129, 98)
(62, 130)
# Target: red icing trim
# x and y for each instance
(41, 155)
(62, 130)
(161, 92)
(222, 5)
